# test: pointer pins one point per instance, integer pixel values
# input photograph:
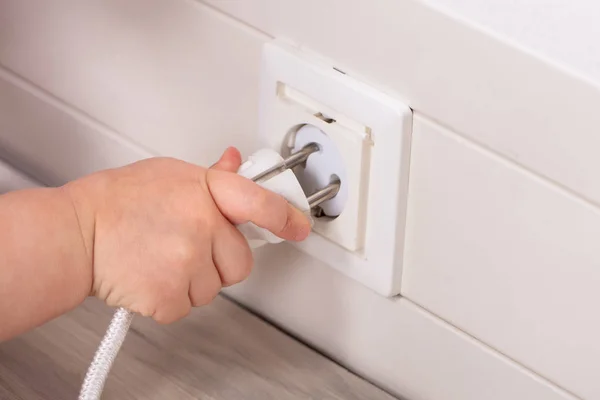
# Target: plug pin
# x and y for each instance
(322, 195)
(292, 161)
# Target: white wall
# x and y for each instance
(13, 179)
(558, 30)
(89, 85)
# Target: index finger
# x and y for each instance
(240, 200)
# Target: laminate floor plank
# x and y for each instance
(220, 352)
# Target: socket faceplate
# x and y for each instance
(372, 133)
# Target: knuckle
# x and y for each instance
(165, 316)
(183, 311)
(161, 317)
(282, 215)
(272, 208)
(172, 310)
(168, 288)
(211, 295)
(285, 223)
(182, 254)
(205, 222)
(264, 200)
(146, 310)
(207, 294)
(240, 271)
(245, 268)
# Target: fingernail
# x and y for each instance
(302, 234)
(304, 231)
(311, 220)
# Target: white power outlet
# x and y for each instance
(371, 132)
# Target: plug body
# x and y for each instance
(285, 184)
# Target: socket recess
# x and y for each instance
(302, 96)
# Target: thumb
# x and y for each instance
(230, 161)
(240, 200)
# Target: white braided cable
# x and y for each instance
(98, 370)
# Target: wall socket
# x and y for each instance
(371, 131)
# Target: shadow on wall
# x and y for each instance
(12, 179)
(275, 268)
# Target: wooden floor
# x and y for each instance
(219, 352)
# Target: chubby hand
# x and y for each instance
(160, 233)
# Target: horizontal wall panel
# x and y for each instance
(504, 256)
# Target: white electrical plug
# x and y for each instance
(285, 184)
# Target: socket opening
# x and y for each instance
(324, 118)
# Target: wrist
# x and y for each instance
(84, 194)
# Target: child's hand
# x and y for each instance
(160, 233)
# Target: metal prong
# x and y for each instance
(292, 161)
(327, 193)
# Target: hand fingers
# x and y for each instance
(173, 310)
(230, 161)
(162, 289)
(205, 282)
(240, 200)
(231, 254)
